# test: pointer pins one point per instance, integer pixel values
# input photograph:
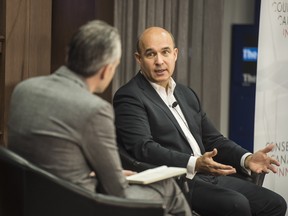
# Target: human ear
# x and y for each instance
(104, 71)
(137, 57)
(176, 53)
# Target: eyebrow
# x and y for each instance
(152, 50)
(166, 48)
(148, 50)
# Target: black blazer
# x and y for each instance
(150, 133)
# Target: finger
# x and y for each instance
(268, 148)
(260, 169)
(228, 172)
(217, 165)
(215, 152)
(257, 170)
(272, 168)
(266, 170)
(212, 153)
(222, 167)
(275, 162)
(223, 171)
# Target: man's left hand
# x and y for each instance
(260, 162)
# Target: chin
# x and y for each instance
(162, 79)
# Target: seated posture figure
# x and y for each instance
(58, 123)
(161, 122)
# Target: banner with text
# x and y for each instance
(271, 108)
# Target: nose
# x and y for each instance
(159, 59)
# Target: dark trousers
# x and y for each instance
(226, 195)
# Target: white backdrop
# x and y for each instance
(271, 112)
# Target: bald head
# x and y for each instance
(156, 55)
(153, 33)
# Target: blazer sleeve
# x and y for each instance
(100, 149)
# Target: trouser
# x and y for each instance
(226, 195)
(166, 191)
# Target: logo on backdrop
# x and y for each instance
(249, 57)
(280, 154)
(281, 9)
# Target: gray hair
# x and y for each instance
(94, 45)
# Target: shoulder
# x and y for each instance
(186, 90)
(30, 82)
(29, 86)
(183, 92)
(132, 87)
(94, 105)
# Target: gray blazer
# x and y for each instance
(66, 130)
(56, 123)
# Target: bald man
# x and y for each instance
(161, 122)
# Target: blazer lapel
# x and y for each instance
(188, 114)
(152, 95)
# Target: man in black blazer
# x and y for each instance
(162, 123)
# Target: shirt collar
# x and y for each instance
(159, 88)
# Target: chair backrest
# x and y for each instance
(27, 190)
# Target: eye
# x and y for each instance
(166, 52)
(150, 55)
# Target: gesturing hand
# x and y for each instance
(261, 162)
(206, 164)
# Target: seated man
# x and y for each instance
(161, 122)
(58, 123)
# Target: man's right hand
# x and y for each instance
(206, 164)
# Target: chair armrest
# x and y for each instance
(256, 178)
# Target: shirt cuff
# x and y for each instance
(242, 163)
(191, 167)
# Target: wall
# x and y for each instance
(67, 16)
(26, 27)
(33, 38)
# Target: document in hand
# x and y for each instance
(156, 174)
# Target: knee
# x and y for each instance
(239, 205)
(273, 204)
(280, 205)
(283, 206)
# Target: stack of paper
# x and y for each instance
(156, 174)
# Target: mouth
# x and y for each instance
(160, 71)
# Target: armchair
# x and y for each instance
(27, 190)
